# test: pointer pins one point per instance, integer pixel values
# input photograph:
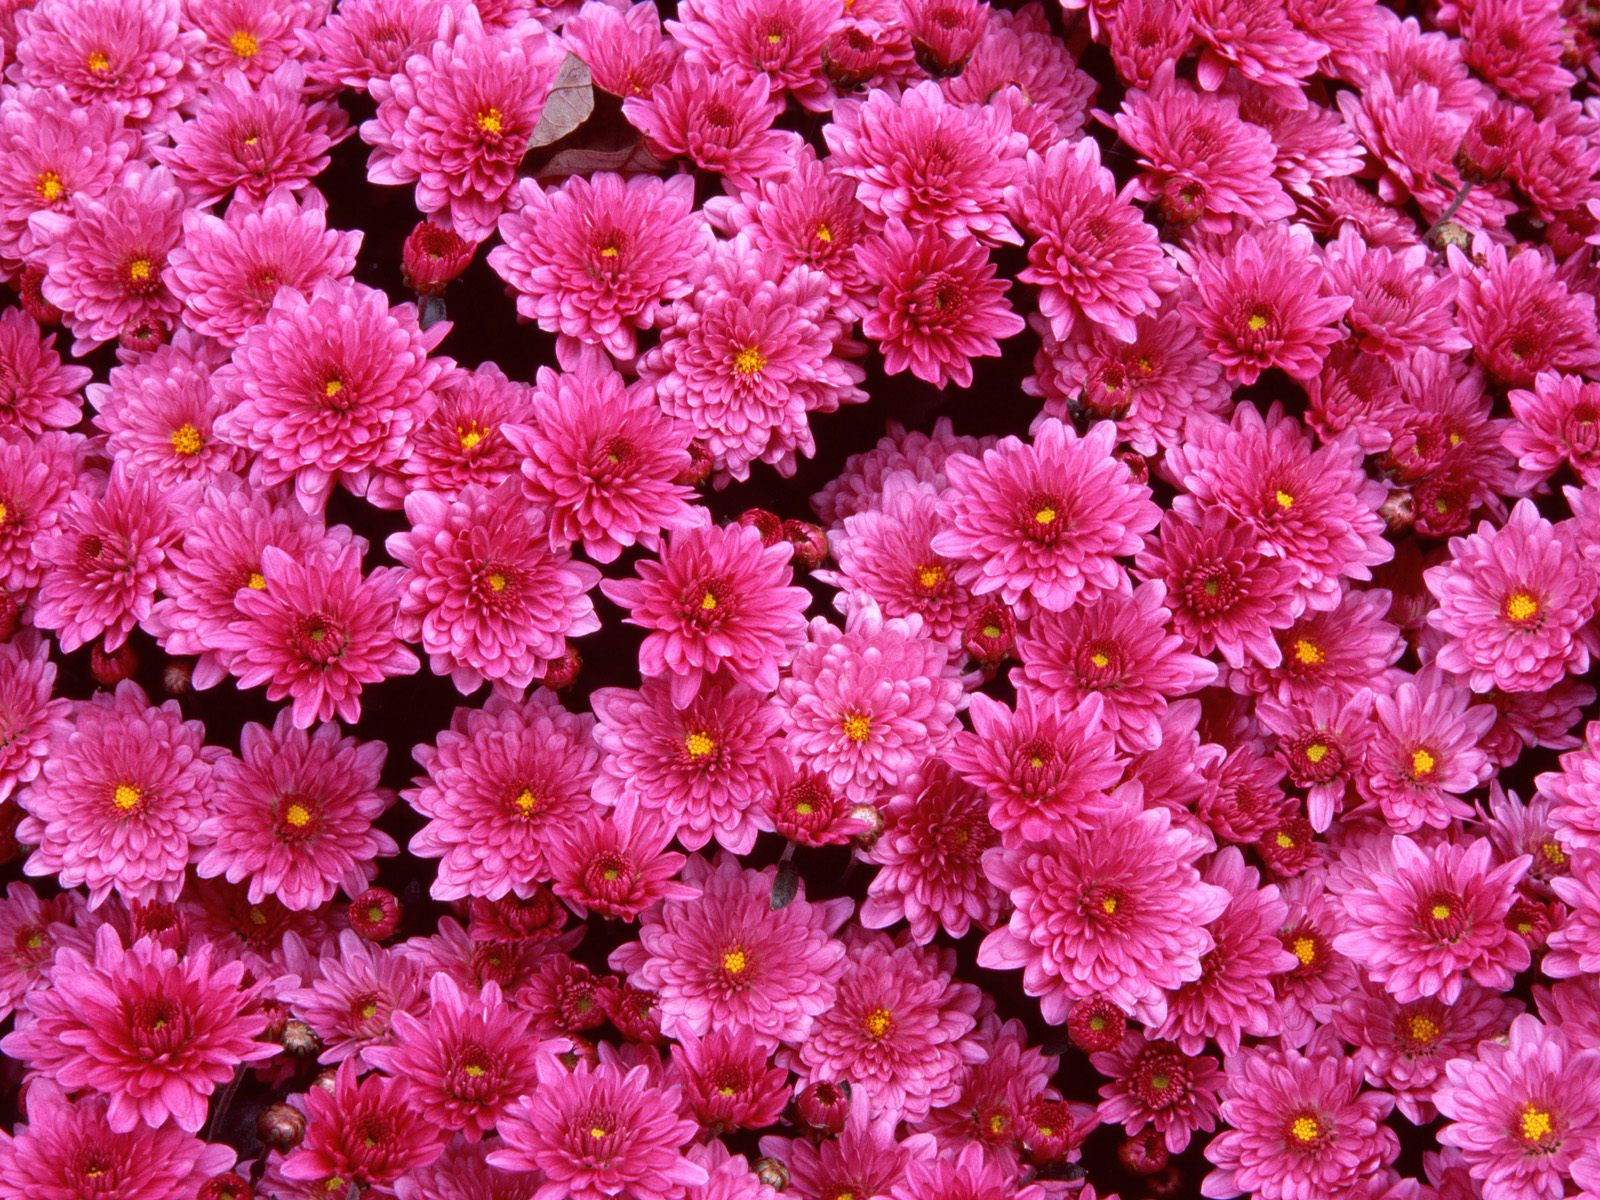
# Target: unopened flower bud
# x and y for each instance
(433, 257)
(144, 335)
(580, 1051)
(111, 667)
(768, 524)
(810, 543)
(177, 677)
(281, 1126)
(1451, 233)
(1138, 465)
(33, 301)
(823, 1105)
(563, 672)
(376, 914)
(10, 616)
(1396, 510)
(699, 468)
(300, 1039)
(870, 818)
(1096, 1025)
(772, 1172)
(1145, 1154)
(944, 33)
(230, 1186)
(851, 57)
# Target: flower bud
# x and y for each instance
(433, 257)
(810, 543)
(991, 635)
(10, 616)
(771, 1172)
(229, 1186)
(111, 667)
(823, 1105)
(300, 1039)
(870, 818)
(851, 57)
(699, 468)
(1396, 511)
(376, 914)
(281, 1127)
(143, 336)
(33, 301)
(1145, 1154)
(177, 677)
(768, 524)
(633, 1013)
(563, 672)
(944, 33)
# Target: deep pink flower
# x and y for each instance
(617, 863)
(717, 121)
(968, 1174)
(28, 714)
(155, 1033)
(358, 988)
(1322, 742)
(1424, 753)
(728, 1080)
(1517, 45)
(31, 931)
(1398, 305)
(462, 439)
(1520, 315)
(361, 1133)
(781, 39)
(1257, 40)
(1340, 651)
(1574, 792)
(1153, 1083)
(37, 391)
(1557, 423)
(624, 48)
(1019, 63)
(369, 39)
(252, 36)
(864, 478)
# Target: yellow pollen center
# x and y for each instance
(805, 808)
(707, 602)
(749, 361)
(126, 796)
(1553, 854)
(99, 62)
(1422, 763)
(609, 252)
(3, 514)
(1305, 949)
(49, 187)
(244, 44)
(258, 582)
(526, 802)
(1045, 516)
(1521, 607)
(857, 727)
(374, 914)
(596, 1132)
(734, 962)
(1440, 912)
(878, 1021)
(824, 234)
(1285, 842)
(35, 941)
(774, 38)
(1423, 1030)
(1099, 660)
(139, 270)
(497, 582)
(1535, 1123)
(332, 388)
(491, 120)
(1308, 653)
(1306, 1129)
(474, 1071)
(1257, 322)
(930, 576)
(1109, 905)
(991, 631)
(257, 917)
(699, 744)
(186, 440)
(470, 438)
(298, 815)
(1316, 752)
(1284, 499)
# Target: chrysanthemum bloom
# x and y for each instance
(104, 556)
(105, 261)
(27, 712)
(1517, 45)
(718, 122)
(728, 1080)
(1153, 1083)
(1044, 767)
(361, 1133)
(1513, 605)
(1574, 792)
(159, 413)
(1300, 1125)
(801, 806)
(328, 388)
(252, 140)
(1520, 315)
(228, 270)
(293, 815)
(726, 959)
(1322, 742)
(1339, 651)
(1424, 753)
(466, 1062)
(781, 39)
(1018, 50)
(155, 1033)
(31, 931)
(602, 460)
(1042, 524)
(617, 863)
(461, 438)
(482, 590)
(141, 55)
(624, 49)
(1398, 305)
(1257, 40)
(1093, 257)
(596, 257)
(1522, 1110)
(1119, 911)
(717, 602)
(598, 1133)
(1433, 918)
(859, 486)
(368, 39)
(939, 305)
(122, 792)
(747, 357)
(925, 161)
(864, 1159)
(1558, 422)
(900, 1026)
(317, 633)
(458, 118)
(998, 1095)
(65, 1149)
(929, 857)
(54, 150)
(868, 704)
(1202, 164)
(358, 988)
(702, 767)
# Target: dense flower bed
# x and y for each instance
(882, 600)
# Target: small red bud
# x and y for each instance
(563, 672)
(772, 1172)
(810, 543)
(991, 634)
(300, 1039)
(231, 1186)
(1145, 1154)
(177, 677)
(433, 257)
(768, 524)
(824, 1105)
(10, 616)
(699, 468)
(281, 1127)
(33, 301)
(111, 667)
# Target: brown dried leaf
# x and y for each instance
(569, 104)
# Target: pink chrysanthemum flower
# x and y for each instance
(1521, 316)
(868, 704)
(1257, 40)
(293, 815)
(104, 558)
(121, 795)
(317, 633)
(1522, 1111)
(718, 122)
(900, 1027)
(140, 55)
(462, 439)
(1424, 753)
(1574, 948)
(861, 483)
(801, 806)
(1512, 607)
(105, 261)
(728, 1081)
(702, 767)
(37, 391)
(1339, 651)
(1152, 1083)
(252, 36)
(1043, 524)
(1574, 793)
(66, 1149)
(361, 1133)
(747, 357)
(483, 592)
(1300, 1125)
(1398, 305)
(458, 118)
(253, 140)
(1322, 742)
(1436, 916)
(602, 460)
(159, 413)
(595, 258)
(726, 958)
(929, 857)
(617, 863)
(1518, 46)
(717, 602)
(53, 151)
(927, 162)
(1120, 648)
(999, 1096)
(228, 270)
(368, 39)
(28, 714)
(1557, 423)
(329, 387)
(1093, 258)
(155, 1033)
(781, 39)
(1202, 164)
(1019, 51)
(358, 988)
(31, 931)
(1044, 767)
(970, 1172)
(1119, 911)
(939, 305)
(864, 1160)
(624, 48)
(598, 1133)
(466, 1062)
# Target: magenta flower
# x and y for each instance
(155, 1033)
(252, 36)
(1574, 793)
(1557, 423)
(293, 815)
(1322, 742)
(717, 121)
(624, 49)
(1521, 317)
(1575, 947)
(505, 784)
(368, 39)
(596, 258)
(1152, 1083)
(1258, 41)
(717, 602)
(861, 484)
(362, 1133)
(617, 863)
(1434, 917)
(1425, 753)
(1339, 651)
(28, 713)
(31, 931)
(357, 989)
(457, 118)
(37, 391)
(462, 439)
(728, 1080)
(1398, 305)
(781, 39)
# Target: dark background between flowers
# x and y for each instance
(412, 710)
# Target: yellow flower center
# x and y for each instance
(139, 269)
(244, 44)
(491, 120)
(470, 437)
(186, 440)
(930, 577)
(1099, 659)
(857, 727)
(474, 1071)
(1553, 854)
(258, 582)
(1305, 949)
(126, 796)
(369, 1011)
(749, 361)
(805, 808)
(699, 744)
(1306, 1129)
(1285, 842)
(734, 962)
(1045, 515)
(707, 602)
(3, 514)
(49, 187)
(1257, 322)
(1109, 905)
(1521, 607)
(35, 940)
(1316, 752)
(99, 62)
(497, 582)
(1284, 499)
(878, 1022)
(609, 252)
(1440, 912)
(991, 631)
(774, 38)
(824, 234)
(597, 1132)
(298, 815)
(1308, 653)
(526, 802)
(1424, 1030)
(1535, 1123)
(332, 388)
(1422, 763)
